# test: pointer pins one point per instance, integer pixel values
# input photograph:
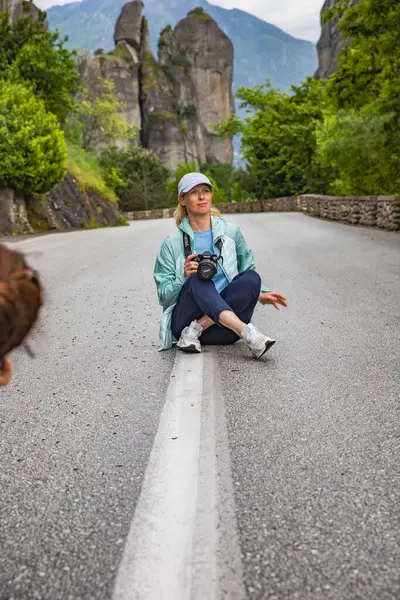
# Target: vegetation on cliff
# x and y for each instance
(48, 123)
(39, 79)
(199, 13)
(341, 136)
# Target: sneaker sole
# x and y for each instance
(190, 349)
(268, 345)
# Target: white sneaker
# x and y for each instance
(257, 342)
(189, 340)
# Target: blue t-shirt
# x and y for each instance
(203, 242)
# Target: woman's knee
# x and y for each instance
(252, 278)
(192, 281)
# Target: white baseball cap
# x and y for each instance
(190, 181)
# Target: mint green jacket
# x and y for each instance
(168, 270)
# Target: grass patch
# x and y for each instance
(181, 62)
(149, 72)
(164, 36)
(123, 221)
(121, 51)
(92, 224)
(84, 166)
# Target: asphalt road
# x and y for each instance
(283, 480)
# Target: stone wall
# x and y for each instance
(371, 211)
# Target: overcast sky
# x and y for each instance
(298, 17)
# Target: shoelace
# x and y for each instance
(253, 336)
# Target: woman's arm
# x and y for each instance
(169, 283)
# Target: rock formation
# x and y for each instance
(330, 43)
(17, 8)
(121, 69)
(65, 207)
(177, 99)
(129, 25)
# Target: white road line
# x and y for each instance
(158, 553)
(183, 542)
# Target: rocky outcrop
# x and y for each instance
(19, 8)
(65, 207)
(171, 127)
(192, 92)
(177, 99)
(122, 70)
(330, 43)
(129, 25)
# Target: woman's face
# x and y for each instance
(198, 201)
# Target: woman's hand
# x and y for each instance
(190, 267)
(5, 372)
(273, 298)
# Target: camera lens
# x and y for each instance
(207, 269)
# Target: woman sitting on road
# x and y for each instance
(208, 311)
(20, 301)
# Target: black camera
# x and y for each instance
(207, 265)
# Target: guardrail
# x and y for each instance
(371, 211)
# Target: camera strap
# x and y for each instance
(188, 250)
(186, 245)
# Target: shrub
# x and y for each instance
(32, 147)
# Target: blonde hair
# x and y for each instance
(181, 212)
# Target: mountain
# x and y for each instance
(262, 51)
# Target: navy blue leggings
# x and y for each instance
(199, 298)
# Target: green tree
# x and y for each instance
(353, 146)
(369, 65)
(368, 80)
(182, 170)
(95, 121)
(31, 54)
(279, 136)
(222, 175)
(32, 147)
(190, 167)
(245, 186)
(144, 178)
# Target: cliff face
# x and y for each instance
(66, 207)
(175, 100)
(123, 72)
(330, 43)
(18, 8)
(209, 53)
